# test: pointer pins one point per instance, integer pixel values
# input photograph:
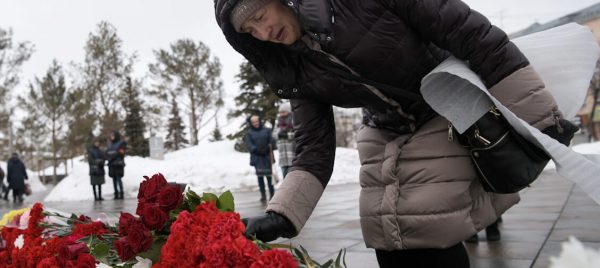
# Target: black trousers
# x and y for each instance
(453, 257)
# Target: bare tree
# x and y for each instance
(46, 99)
(12, 56)
(104, 73)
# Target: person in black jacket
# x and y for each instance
(373, 55)
(96, 163)
(260, 144)
(3, 187)
(16, 174)
(115, 155)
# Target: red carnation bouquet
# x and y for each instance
(171, 229)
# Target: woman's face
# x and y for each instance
(274, 23)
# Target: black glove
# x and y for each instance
(269, 227)
(564, 133)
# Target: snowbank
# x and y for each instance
(34, 180)
(209, 166)
(575, 254)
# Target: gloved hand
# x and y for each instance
(269, 227)
(564, 133)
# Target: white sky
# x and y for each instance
(59, 28)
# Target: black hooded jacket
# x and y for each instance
(391, 42)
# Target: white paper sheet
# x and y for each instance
(565, 58)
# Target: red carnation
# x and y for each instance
(153, 217)
(170, 197)
(48, 263)
(275, 258)
(226, 226)
(83, 261)
(91, 228)
(150, 188)
(124, 249)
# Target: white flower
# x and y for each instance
(575, 255)
(19, 242)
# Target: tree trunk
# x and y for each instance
(193, 118)
(54, 149)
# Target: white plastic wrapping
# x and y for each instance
(565, 58)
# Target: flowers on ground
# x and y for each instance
(170, 229)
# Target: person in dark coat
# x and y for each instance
(115, 155)
(260, 144)
(420, 195)
(16, 174)
(3, 187)
(96, 162)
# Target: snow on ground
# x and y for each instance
(34, 180)
(210, 166)
(584, 148)
(575, 254)
(213, 167)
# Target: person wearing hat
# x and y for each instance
(115, 156)
(260, 145)
(96, 162)
(420, 194)
(285, 137)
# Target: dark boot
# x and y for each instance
(95, 194)
(261, 187)
(100, 193)
(492, 233)
(271, 188)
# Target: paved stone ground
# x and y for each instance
(532, 231)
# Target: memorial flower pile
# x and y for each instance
(171, 228)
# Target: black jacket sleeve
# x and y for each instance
(315, 138)
(467, 34)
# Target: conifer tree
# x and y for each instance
(216, 133)
(175, 139)
(255, 98)
(134, 124)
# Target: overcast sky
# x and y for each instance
(59, 28)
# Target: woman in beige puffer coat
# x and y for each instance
(420, 194)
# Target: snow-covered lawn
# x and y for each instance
(210, 166)
(207, 167)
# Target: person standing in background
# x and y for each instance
(96, 162)
(285, 137)
(115, 155)
(16, 174)
(257, 141)
(3, 186)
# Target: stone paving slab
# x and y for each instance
(532, 231)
